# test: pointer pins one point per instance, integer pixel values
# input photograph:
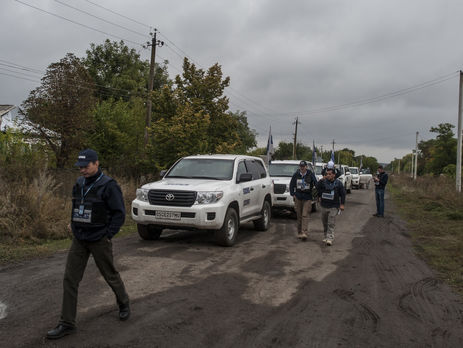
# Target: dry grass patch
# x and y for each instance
(434, 213)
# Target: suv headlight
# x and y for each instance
(208, 197)
(287, 188)
(142, 194)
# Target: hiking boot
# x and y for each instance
(376, 214)
(329, 242)
(324, 240)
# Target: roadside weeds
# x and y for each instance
(434, 215)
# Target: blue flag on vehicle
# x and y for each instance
(332, 155)
(270, 150)
(314, 154)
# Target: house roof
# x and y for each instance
(4, 109)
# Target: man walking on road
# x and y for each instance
(380, 186)
(300, 188)
(332, 198)
(98, 212)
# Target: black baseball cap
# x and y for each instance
(302, 164)
(85, 157)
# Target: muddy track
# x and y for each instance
(270, 290)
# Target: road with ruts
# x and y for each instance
(269, 290)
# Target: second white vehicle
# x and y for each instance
(281, 173)
(355, 177)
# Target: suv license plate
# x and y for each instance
(170, 215)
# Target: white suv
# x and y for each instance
(346, 177)
(214, 192)
(281, 172)
(355, 177)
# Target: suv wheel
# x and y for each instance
(263, 223)
(226, 236)
(149, 232)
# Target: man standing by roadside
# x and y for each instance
(380, 186)
(332, 198)
(98, 212)
(300, 188)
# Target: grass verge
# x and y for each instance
(434, 215)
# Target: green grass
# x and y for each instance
(435, 224)
(19, 250)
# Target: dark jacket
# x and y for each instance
(103, 208)
(381, 184)
(301, 186)
(331, 193)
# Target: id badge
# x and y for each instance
(81, 210)
(85, 217)
(328, 196)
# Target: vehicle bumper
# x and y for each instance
(355, 182)
(198, 216)
(282, 201)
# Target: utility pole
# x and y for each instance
(333, 145)
(459, 142)
(295, 138)
(398, 169)
(154, 42)
(413, 161)
(416, 157)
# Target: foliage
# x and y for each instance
(285, 151)
(119, 72)
(118, 134)
(435, 156)
(59, 111)
(433, 211)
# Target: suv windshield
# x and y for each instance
(318, 170)
(202, 168)
(354, 171)
(282, 169)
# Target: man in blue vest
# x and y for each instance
(300, 187)
(332, 197)
(98, 213)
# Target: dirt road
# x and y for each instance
(270, 290)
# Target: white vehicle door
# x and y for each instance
(246, 191)
(256, 185)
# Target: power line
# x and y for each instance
(235, 93)
(77, 23)
(381, 97)
(118, 14)
(101, 19)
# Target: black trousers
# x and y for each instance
(76, 263)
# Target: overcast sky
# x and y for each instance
(366, 73)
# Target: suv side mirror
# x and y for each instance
(162, 173)
(347, 173)
(244, 177)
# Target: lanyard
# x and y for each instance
(82, 197)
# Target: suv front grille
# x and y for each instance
(172, 198)
(279, 188)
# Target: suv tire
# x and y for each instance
(149, 232)
(263, 223)
(226, 235)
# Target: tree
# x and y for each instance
(444, 151)
(118, 134)
(60, 110)
(119, 72)
(285, 151)
(203, 90)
